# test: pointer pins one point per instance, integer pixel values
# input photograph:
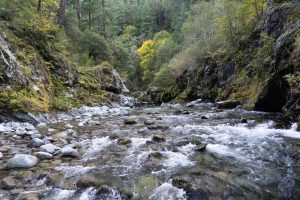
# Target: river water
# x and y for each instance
(249, 155)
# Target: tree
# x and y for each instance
(61, 12)
(78, 12)
(39, 7)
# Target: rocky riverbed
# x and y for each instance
(174, 151)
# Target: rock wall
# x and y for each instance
(257, 74)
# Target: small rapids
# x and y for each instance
(170, 152)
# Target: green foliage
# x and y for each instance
(96, 47)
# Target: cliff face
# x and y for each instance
(35, 76)
(263, 73)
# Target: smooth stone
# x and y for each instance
(43, 155)
(69, 151)
(32, 132)
(158, 127)
(149, 122)
(36, 136)
(158, 138)
(50, 148)
(1, 155)
(130, 121)
(51, 130)
(17, 137)
(41, 125)
(30, 128)
(124, 141)
(204, 117)
(68, 126)
(21, 133)
(36, 143)
(22, 161)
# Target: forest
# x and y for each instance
(149, 99)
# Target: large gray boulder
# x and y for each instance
(69, 151)
(22, 161)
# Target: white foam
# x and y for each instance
(59, 194)
(167, 191)
(88, 194)
(94, 146)
(70, 171)
(176, 159)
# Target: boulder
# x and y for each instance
(158, 138)
(69, 151)
(22, 161)
(228, 104)
(88, 181)
(182, 184)
(43, 155)
(50, 148)
(200, 147)
(124, 141)
(130, 121)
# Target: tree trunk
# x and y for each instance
(90, 16)
(103, 19)
(78, 12)
(61, 12)
(39, 7)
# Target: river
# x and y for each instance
(157, 153)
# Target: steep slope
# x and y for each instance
(263, 73)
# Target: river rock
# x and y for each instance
(68, 126)
(28, 196)
(69, 151)
(200, 147)
(130, 121)
(43, 155)
(149, 122)
(158, 138)
(182, 184)
(36, 143)
(88, 181)
(155, 155)
(1, 156)
(158, 127)
(50, 148)
(204, 117)
(228, 104)
(9, 182)
(41, 125)
(22, 161)
(124, 141)
(244, 121)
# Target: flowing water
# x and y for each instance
(256, 159)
